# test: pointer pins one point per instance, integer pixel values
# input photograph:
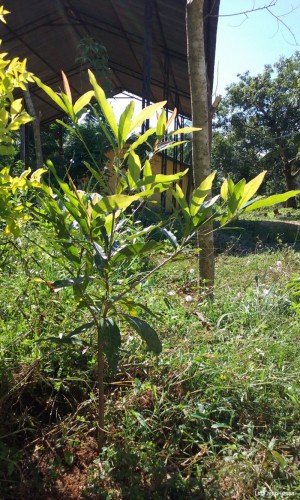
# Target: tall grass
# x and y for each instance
(215, 416)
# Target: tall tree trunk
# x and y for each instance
(290, 178)
(36, 129)
(200, 104)
(291, 203)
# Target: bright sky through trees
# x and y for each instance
(248, 42)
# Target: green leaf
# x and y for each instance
(115, 202)
(105, 106)
(279, 458)
(104, 128)
(269, 201)
(179, 196)
(140, 140)
(98, 176)
(147, 169)
(100, 258)
(69, 106)
(252, 187)
(133, 305)
(134, 170)
(146, 114)
(125, 123)
(224, 190)
(146, 230)
(185, 130)
(81, 329)
(234, 200)
(67, 282)
(16, 106)
(83, 101)
(53, 95)
(146, 332)
(73, 336)
(230, 186)
(201, 193)
(134, 249)
(160, 179)
(161, 124)
(171, 237)
(169, 145)
(110, 337)
(7, 150)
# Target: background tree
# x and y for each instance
(65, 149)
(257, 126)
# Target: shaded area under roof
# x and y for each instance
(48, 33)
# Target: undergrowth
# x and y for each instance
(215, 416)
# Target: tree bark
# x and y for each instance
(289, 179)
(200, 105)
(101, 435)
(36, 129)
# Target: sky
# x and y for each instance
(248, 42)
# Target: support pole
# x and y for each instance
(147, 61)
(164, 158)
(24, 146)
(36, 129)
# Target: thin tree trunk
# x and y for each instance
(101, 435)
(36, 129)
(291, 203)
(200, 104)
(290, 180)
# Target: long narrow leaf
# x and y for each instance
(53, 95)
(252, 187)
(83, 101)
(104, 105)
(272, 200)
(185, 130)
(125, 123)
(201, 193)
(146, 332)
(146, 114)
(110, 338)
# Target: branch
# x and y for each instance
(249, 11)
(268, 7)
(283, 23)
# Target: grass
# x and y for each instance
(281, 214)
(215, 416)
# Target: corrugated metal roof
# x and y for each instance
(48, 33)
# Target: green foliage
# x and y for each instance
(13, 204)
(294, 288)
(84, 260)
(257, 125)
(13, 75)
(221, 398)
(92, 237)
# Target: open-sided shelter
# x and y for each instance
(145, 42)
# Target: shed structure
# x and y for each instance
(145, 41)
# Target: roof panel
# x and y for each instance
(48, 33)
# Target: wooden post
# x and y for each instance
(36, 129)
(147, 60)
